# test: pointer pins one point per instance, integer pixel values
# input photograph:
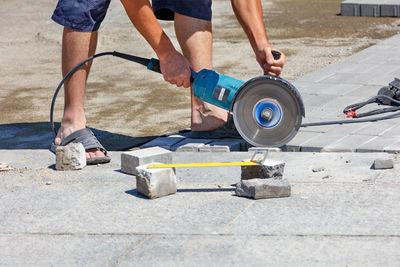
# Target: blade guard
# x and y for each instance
(288, 84)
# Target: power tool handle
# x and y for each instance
(276, 54)
(154, 65)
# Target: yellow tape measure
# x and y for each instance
(205, 164)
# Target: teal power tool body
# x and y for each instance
(267, 110)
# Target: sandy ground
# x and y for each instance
(124, 98)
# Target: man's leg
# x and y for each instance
(195, 38)
(76, 46)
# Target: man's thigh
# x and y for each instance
(81, 15)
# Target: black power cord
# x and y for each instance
(152, 64)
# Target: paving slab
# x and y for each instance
(371, 8)
(346, 82)
(96, 217)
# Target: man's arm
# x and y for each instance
(249, 15)
(174, 67)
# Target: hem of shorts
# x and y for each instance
(163, 4)
(191, 16)
(66, 23)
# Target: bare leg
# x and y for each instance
(195, 38)
(76, 47)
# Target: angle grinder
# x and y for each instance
(267, 110)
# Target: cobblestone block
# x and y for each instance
(380, 164)
(132, 159)
(263, 188)
(70, 157)
(164, 142)
(155, 183)
(222, 146)
(268, 169)
(370, 11)
(390, 11)
(190, 145)
(350, 9)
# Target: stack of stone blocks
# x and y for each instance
(152, 183)
(371, 8)
(263, 181)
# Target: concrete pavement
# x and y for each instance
(347, 214)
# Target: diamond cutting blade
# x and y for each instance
(267, 111)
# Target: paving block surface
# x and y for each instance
(70, 157)
(380, 164)
(263, 188)
(268, 169)
(155, 183)
(132, 159)
(190, 145)
(222, 146)
(164, 142)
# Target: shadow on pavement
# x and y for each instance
(38, 135)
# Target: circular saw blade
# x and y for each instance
(270, 93)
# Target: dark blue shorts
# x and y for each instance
(165, 9)
(81, 15)
(87, 15)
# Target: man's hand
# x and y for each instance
(267, 62)
(176, 69)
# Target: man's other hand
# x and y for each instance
(267, 62)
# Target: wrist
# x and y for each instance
(164, 48)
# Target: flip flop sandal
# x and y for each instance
(227, 130)
(88, 140)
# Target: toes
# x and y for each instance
(57, 141)
(99, 154)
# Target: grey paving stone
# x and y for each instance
(132, 159)
(64, 250)
(266, 149)
(164, 142)
(380, 164)
(390, 10)
(268, 169)
(392, 148)
(377, 144)
(70, 157)
(316, 144)
(117, 208)
(263, 188)
(155, 183)
(350, 9)
(190, 145)
(350, 143)
(369, 10)
(223, 145)
(301, 137)
(369, 210)
(274, 250)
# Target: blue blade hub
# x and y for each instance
(267, 113)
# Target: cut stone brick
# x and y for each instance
(350, 9)
(70, 157)
(221, 146)
(263, 188)
(267, 149)
(164, 142)
(132, 159)
(370, 11)
(380, 164)
(268, 169)
(190, 145)
(154, 183)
